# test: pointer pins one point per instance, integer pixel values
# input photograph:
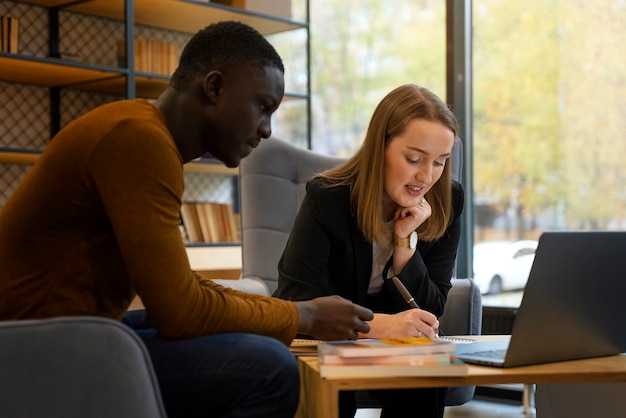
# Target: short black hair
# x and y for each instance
(222, 46)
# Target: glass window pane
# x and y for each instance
(549, 116)
(363, 50)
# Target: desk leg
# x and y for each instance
(318, 397)
(528, 400)
(328, 400)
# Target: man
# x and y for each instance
(95, 222)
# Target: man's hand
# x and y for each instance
(333, 318)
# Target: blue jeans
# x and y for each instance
(221, 375)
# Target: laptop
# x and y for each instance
(573, 305)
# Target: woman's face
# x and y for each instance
(415, 159)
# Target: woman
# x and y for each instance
(391, 209)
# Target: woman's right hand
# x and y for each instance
(405, 324)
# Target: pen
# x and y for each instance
(407, 296)
(404, 292)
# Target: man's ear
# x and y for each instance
(212, 85)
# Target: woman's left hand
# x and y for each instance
(409, 219)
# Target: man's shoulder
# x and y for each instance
(125, 105)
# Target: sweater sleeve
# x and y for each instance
(138, 175)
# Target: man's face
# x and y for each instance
(243, 113)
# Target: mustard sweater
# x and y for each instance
(95, 222)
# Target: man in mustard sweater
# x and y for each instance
(95, 222)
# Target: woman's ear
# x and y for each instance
(212, 85)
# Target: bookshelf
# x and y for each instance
(68, 51)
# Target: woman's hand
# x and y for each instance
(409, 219)
(405, 324)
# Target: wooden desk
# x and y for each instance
(319, 396)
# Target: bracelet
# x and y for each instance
(410, 241)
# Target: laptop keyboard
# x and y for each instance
(494, 354)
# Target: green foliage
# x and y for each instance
(361, 51)
(549, 90)
(549, 108)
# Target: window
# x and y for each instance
(549, 92)
(361, 52)
(549, 102)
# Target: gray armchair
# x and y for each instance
(75, 367)
(272, 185)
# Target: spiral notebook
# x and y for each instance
(458, 340)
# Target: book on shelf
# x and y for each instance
(191, 222)
(4, 34)
(172, 57)
(235, 225)
(151, 56)
(208, 213)
(450, 366)
(209, 222)
(9, 34)
(142, 55)
(277, 8)
(208, 234)
(385, 347)
(225, 222)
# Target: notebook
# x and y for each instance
(573, 305)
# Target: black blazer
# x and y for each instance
(327, 254)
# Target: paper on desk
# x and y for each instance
(458, 340)
(304, 347)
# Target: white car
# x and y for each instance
(503, 265)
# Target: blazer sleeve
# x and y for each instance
(326, 254)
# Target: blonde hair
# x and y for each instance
(364, 172)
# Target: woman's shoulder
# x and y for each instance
(457, 189)
(458, 198)
(326, 196)
(322, 186)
